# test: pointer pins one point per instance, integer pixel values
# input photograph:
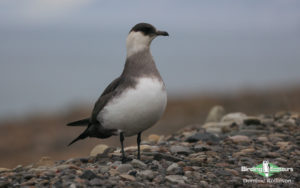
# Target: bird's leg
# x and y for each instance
(122, 148)
(138, 145)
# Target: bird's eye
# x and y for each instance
(147, 30)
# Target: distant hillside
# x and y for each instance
(26, 140)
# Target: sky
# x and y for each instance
(54, 53)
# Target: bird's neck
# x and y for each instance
(135, 47)
(140, 64)
(137, 42)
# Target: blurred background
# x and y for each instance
(57, 56)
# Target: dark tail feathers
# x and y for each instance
(82, 122)
(81, 136)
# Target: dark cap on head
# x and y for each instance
(148, 29)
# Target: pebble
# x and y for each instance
(18, 168)
(232, 171)
(96, 182)
(215, 114)
(240, 139)
(262, 139)
(273, 154)
(148, 174)
(175, 169)
(134, 148)
(172, 167)
(290, 122)
(192, 157)
(176, 179)
(180, 150)
(116, 164)
(113, 172)
(127, 177)
(158, 179)
(248, 150)
(188, 168)
(283, 145)
(235, 117)
(219, 127)
(124, 168)
(99, 149)
(203, 183)
(44, 161)
(4, 170)
(153, 138)
(199, 159)
(103, 169)
(206, 137)
(61, 167)
(138, 164)
(281, 160)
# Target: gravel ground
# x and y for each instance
(209, 155)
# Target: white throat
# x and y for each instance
(136, 42)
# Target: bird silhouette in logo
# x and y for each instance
(266, 167)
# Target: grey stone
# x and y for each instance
(116, 164)
(96, 182)
(72, 185)
(203, 183)
(103, 169)
(124, 168)
(148, 174)
(138, 164)
(235, 117)
(220, 127)
(18, 168)
(176, 179)
(172, 167)
(61, 167)
(99, 149)
(158, 179)
(180, 150)
(206, 137)
(175, 169)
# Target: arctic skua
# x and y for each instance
(135, 100)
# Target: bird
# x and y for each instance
(266, 168)
(135, 100)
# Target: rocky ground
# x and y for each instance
(209, 155)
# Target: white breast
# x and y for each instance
(136, 109)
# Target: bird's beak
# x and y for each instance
(162, 33)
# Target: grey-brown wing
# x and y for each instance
(109, 92)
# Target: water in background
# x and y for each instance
(50, 62)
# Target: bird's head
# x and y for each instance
(141, 36)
